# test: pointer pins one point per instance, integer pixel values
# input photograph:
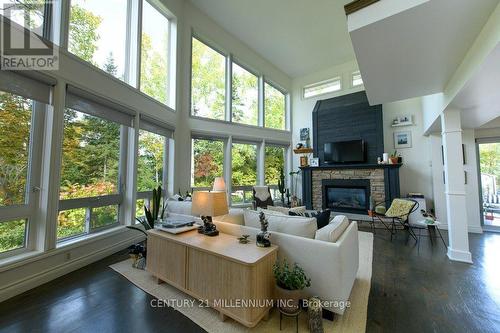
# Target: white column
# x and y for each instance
(458, 248)
(261, 156)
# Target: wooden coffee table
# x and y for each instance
(235, 279)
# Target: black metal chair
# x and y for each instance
(397, 213)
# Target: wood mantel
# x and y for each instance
(356, 5)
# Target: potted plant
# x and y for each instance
(290, 281)
(151, 214)
(394, 157)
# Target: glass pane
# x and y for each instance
(15, 124)
(208, 161)
(208, 81)
(323, 88)
(244, 164)
(274, 162)
(489, 160)
(245, 101)
(150, 162)
(356, 79)
(12, 235)
(103, 216)
(91, 156)
(237, 197)
(71, 223)
(97, 31)
(154, 53)
(27, 13)
(274, 107)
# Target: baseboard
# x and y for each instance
(457, 255)
(52, 273)
(472, 229)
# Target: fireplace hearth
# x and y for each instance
(346, 195)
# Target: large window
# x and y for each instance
(27, 13)
(154, 53)
(207, 161)
(245, 96)
(274, 107)
(16, 114)
(274, 164)
(244, 172)
(97, 33)
(208, 81)
(323, 87)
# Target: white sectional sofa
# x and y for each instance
(331, 265)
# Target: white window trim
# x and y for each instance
(355, 73)
(334, 80)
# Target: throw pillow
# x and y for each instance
(297, 226)
(333, 231)
(278, 209)
(322, 217)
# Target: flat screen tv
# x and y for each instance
(345, 152)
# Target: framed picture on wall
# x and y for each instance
(402, 139)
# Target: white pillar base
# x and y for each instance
(457, 255)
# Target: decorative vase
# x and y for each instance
(288, 300)
(394, 160)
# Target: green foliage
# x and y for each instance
(83, 35)
(290, 278)
(150, 161)
(244, 159)
(208, 80)
(245, 91)
(208, 158)
(274, 107)
(12, 235)
(490, 159)
(154, 70)
(274, 162)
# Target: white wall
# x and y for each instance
(415, 174)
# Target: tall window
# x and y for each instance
(207, 163)
(274, 107)
(274, 164)
(91, 192)
(244, 172)
(154, 53)
(152, 163)
(27, 13)
(97, 33)
(208, 80)
(15, 146)
(245, 96)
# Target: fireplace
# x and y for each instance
(346, 195)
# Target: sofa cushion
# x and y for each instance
(286, 210)
(235, 216)
(322, 217)
(269, 211)
(333, 231)
(298, 226)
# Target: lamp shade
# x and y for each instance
(219, 184)
(207, 203)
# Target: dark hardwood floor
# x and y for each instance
(414, 289)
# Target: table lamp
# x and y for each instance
(207, 204)
(219, 184)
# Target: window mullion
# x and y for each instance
(261, 102)
(228, 172)
(229, 88)
(61, 23)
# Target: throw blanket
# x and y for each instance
(262, 192)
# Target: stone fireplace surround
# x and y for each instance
(384, 181)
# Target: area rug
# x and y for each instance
(353, 320)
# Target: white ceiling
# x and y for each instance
(479, 99)
(297, 36)
(415, 52)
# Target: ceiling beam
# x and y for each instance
(356, 5)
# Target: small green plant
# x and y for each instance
(151, 213)
(290, 278)
(281, 186)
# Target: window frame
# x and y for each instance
(332, 80)
(59, 33)
(353, 74)
(261, 79)
(28, 210)
(258, 171)
(89, 203)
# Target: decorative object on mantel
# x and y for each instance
(402, 139)
(402, 121)
(304, 136)
(244, 239)
(263, 236)
(315, 315)
(314, 161)
(305, 152)
(395, 158)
